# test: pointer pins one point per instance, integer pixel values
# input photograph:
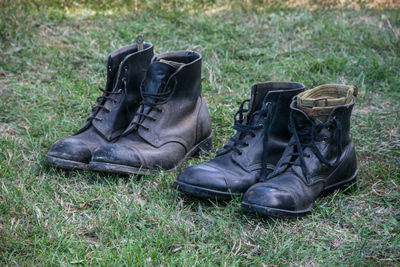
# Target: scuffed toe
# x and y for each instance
(204, 176)
(117, 154)
(71, 149)
(269, 197)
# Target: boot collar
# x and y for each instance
(336, 112)
(192, 65)
(264, 97)
(319, 101)
(262, 93)
(117, 58)
(186, 76)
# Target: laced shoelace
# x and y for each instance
(243, 130)
(106, 95)
(158, 98)
(306, 137)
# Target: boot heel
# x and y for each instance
(205, 146)
(349, 186)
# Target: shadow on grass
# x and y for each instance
(90, 176)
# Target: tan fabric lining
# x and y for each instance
(174, 64)
(319, 101)
(327, 95)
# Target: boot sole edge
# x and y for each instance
(265, 211)
(205, 193)
(65, 163)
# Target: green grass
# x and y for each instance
(52, 60)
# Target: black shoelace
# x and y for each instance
(243, 129)
(306, 137)
(100, 102)
(151, 100)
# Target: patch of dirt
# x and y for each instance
(7, 131)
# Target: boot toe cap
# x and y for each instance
(269, 197)
(71, 149)
(117, 154)
(204, 176)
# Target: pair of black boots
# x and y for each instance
(287, 151)
(151, 115)
(290, 147)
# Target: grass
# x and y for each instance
(53, 61)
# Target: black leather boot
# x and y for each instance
(171, 124)
(114, 110)
(320, 156)
(261, 136)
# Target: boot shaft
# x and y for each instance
(264, 134)
(186, 80)
(326, 103)
(277, 135)
(319, 101)
(319, 147)
(125, 70)
(329, 138)
(172, 109)
(319, 158)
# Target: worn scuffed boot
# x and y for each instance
(261, 137)
(320, 156)
(171, 124)
(113, 112)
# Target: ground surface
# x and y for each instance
(52, 60)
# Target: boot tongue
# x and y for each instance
(157, 76)
(319, 102)
(154, 83)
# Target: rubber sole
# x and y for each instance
(65, 164)
(206, 193)
(202, 147)
(263, 211)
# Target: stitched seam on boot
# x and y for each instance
(198, 120)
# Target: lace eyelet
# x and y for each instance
(126, 68)
(324, 139)
(119, 90)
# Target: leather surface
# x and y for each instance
(236, 172)
(180, 121)
(124, 66)
(287, 188)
